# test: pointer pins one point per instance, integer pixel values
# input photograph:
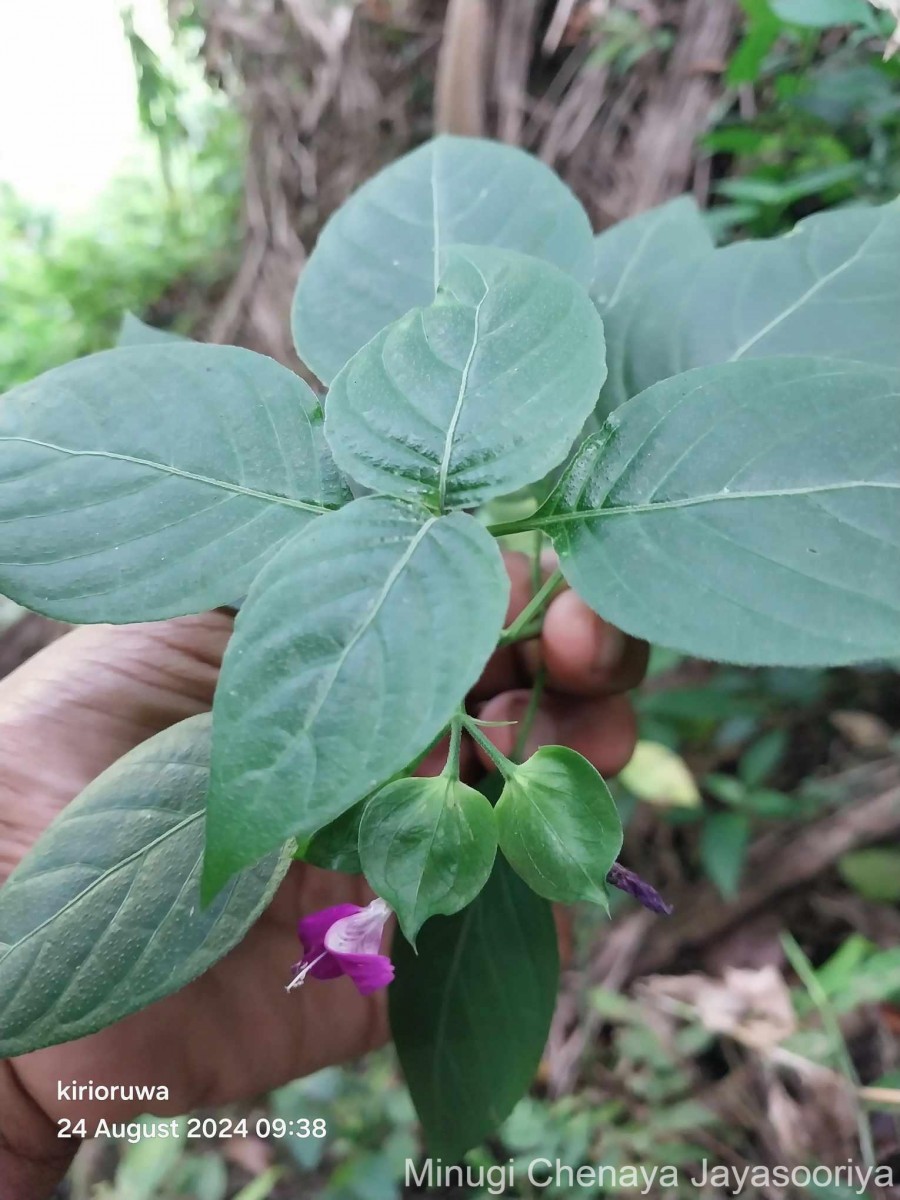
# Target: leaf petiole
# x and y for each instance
(451, 767)
(527, 721)
(533, 611)
(500, 761)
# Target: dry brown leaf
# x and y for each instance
(863, 730)
(752, 1006)
(828, 1126)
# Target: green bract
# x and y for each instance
(558, 826)
(427, 846)
(731, 490)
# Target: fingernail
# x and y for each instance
(611, 648)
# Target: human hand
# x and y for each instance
(99, 691)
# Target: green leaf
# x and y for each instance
(148, 1162)
(477, 395)
(630, 254)
(639, 261)
(352, 652)
(335, 847)
(761, 758)
(761, 32)
(470, 1011)
(103, 916)
(746, 513)
(874, 873)
(382, 253)
(558, 826)
(724, 841)
(427, 846)
(153, 481)
(262, 1187)
(134, 332)
(659, 776)
(830, 288)
(822, 14)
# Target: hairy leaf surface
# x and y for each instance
(747, 512)
(382, 253)
(630, 261)
(470, 1011)
(830, 288)
(632, 252)
(477, 395)
(155, 480)
(103, 916)
(350, 655)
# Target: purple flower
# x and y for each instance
(627, 881)
(345, 940)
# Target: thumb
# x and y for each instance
(87, 699)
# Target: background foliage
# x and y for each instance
(159, 239)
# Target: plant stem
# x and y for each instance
(533, 609)
(500, 761)
(451, 767)
(534, 701)
(536, 561)
(525, 635)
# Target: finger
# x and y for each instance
(504, 670)
(585, 655)
(91, 696)
(603, 729)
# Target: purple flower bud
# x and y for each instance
(345, 940)
(627, 881)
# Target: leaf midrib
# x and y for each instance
(365, 624)
(450, 436)
(629, 268)
(446, 1001)
(555, 836)
(811, 291)
(590, 514)
(167, 469)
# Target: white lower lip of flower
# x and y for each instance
(361, 932)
